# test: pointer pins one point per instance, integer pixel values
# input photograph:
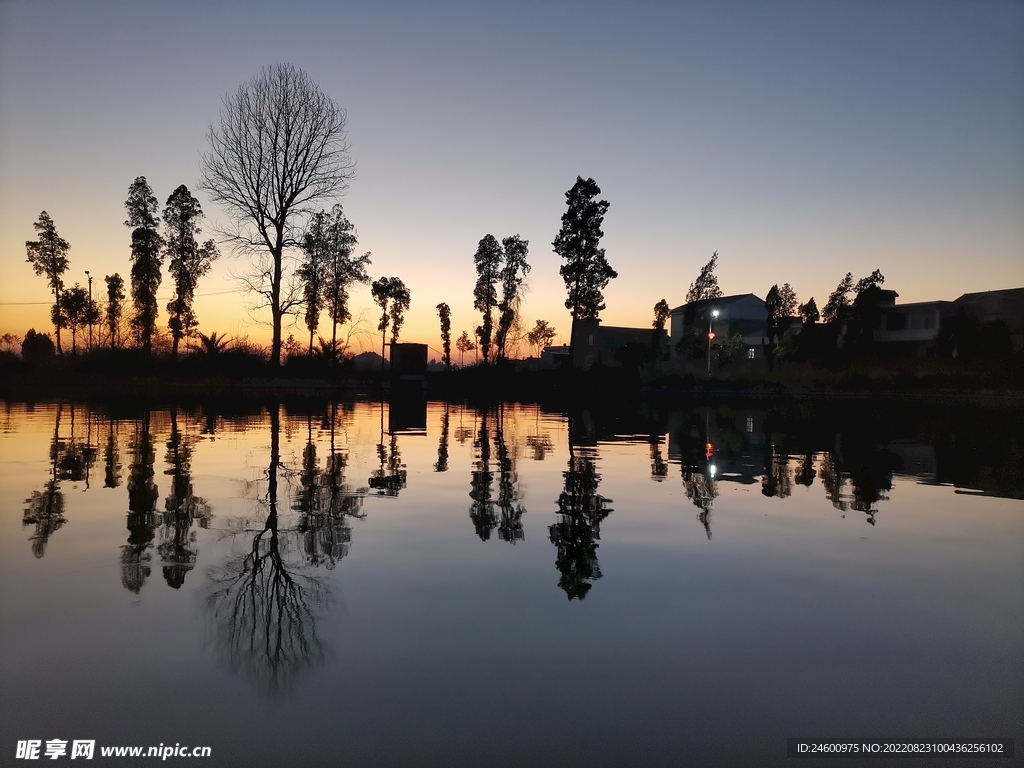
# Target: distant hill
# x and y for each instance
(368, 361)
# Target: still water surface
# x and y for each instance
(436, 584)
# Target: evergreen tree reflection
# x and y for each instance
(142, 496)
(510, 528)
(45, 508)
(833, 482)
(264, 614)
(390, 477)
(805, 474)
(778, 480)
(324, 501)
(111, 457)
(442, 443)
(578, 525)
(659, 467)
(482, 511)
(702, 490)
(182, 507)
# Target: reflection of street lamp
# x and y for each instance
(711, 335)
(90, 308)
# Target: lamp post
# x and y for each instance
(714, 314)
(90, 308)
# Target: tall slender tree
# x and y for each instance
(188, 260)
(115, 307)
(313, 272)
(661, 314)
(49, 256)
(512, 278)
(143, 210)
(393, 298)
(485, 294)
(586, 271)
(445, 313)
(345, 269)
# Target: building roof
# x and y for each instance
(720, 301)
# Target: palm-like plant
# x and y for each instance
(214, 344)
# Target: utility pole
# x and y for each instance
(90, 308)
(711, 335)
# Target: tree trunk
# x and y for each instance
(275, 299)
(56, 325)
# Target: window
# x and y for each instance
(750, 353)
(896, 321)
(750, 424)
(590, 340)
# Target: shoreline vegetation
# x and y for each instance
(125, 373)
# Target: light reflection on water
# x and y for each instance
(768, 573)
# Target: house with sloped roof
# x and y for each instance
(743, 313)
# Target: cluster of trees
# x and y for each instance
(74, 308)
(501, 280)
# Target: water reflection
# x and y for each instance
(264, 612)
(577, 529)
(182, 508)
(324, 501)
(142, 497)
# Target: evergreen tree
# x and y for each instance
(513, 276)
(838, 305)
(188, 260)
(49, 256)
(445, 313)
(661, 315)
(809, 311)
(706, 284)
(586, 271)
(115, 307)
(487, 259)
(142, 210)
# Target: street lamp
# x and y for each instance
(711, 335)
(90, 308)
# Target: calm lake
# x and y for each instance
(335, 583)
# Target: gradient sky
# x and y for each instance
(800, 140)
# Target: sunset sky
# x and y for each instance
(800, 140)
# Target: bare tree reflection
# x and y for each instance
(510, 528)
(45, 508)
(264, 614)
(578, 525)
(142, 496)
(182, 508)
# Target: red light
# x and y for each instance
(709, 450)
(711, 335)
